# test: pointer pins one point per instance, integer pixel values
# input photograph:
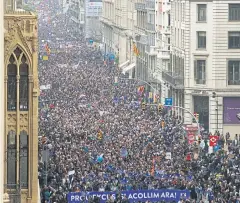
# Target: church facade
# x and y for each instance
(21, 105)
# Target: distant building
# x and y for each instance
(76, 12)
(93, 26)
(118, 33)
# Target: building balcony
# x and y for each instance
(150, 27)
(142, 39)
(151, 50)
(140, 7)
(200, 81)
(166, 30)
(150, 4)
(233, 82)
(106, 21)
(74, 9)
(120, 27)
(164, 54)
(177, 81)
(139, 30)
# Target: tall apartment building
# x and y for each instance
(93, 26)
(64, 4)
(205, 70)
(76, 11)
(153, 41)
(118, 24)
(141, 40)
(107, 20)
(163, 8)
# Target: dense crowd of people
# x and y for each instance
(99, 138)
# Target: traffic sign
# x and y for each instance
(168, 101)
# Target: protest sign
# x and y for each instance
(133, 196)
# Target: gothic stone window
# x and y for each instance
(23, 84)
(12, 84)
(11, 159)
(23, 157)
(18, 65)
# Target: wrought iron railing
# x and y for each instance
(140, 6)
(173, 79)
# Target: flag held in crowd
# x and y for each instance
(100, 135)
(213, 140)
(100, 158)
(48, 50)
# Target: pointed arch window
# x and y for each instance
(12, 84)
(23, 84)
(11, 159)
(23, 157)
(18, 65)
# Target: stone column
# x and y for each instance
(2, 147)
(34, 114)
(6, 198)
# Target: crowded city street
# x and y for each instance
(101, 132)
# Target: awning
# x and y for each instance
(123, 64)
(128, 68)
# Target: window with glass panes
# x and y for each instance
(234, 12)
(202, 12)
(200, 71)
(233, 72)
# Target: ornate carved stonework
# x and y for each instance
(34, 44)
(35, 83)
(11, 118)
(24, 127)
(23, 118)
(15, 27)
(5, 79)
(30, 78)
(25, 44)
(11, 127)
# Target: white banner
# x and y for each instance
(45, 87)
(71, 172)
(168, 155)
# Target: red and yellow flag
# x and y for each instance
(141, 89)
(135, 50)
(152, 172)
(48, 50)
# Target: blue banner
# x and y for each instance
(132, 196)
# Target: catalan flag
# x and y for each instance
(155, 98)
(152, 172)
(135, 50)
(141, 89)
(48, 50)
